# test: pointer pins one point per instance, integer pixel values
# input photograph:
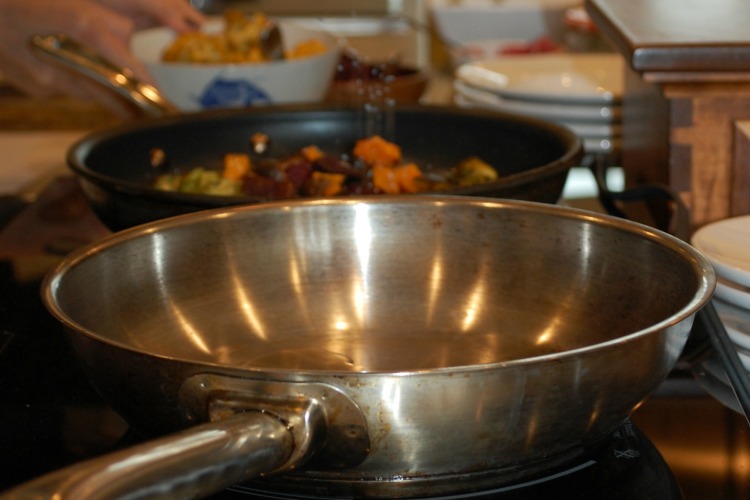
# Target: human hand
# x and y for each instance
(104, 25)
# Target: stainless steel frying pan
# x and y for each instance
(380, 346)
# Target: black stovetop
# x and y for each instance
(681, 443)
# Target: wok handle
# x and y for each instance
(190, 464)
(72, 54)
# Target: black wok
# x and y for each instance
(375, 346)
(532, 156)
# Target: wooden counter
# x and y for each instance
(21, 113)
(687, 97)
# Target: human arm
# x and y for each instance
(104, 25)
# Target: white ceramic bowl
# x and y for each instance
(195, 86)
(469, 20)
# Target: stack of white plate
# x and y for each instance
(582, 91)
(726, 244)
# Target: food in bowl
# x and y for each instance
(494, 48)
(360, 80)
(194, 86)
(375, 166)
(240, 41)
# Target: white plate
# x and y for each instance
(591, 144)
(574, 77)
(607, 113)
(733, 293)
(736, 321)
(602, 146)
(588, 130)
(727, 245)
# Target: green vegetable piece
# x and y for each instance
(224, 187)
(168, 182)
(472, 171)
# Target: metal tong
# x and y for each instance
(66, 51)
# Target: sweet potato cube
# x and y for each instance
(236, 166)
(384, 179)
(406, 176)
(325, 184)
(376, 150)
(312, 153)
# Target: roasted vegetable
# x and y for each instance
(376, 150)
(473, 171)
(239, 42)
(236, 166)
(199, 181)
(376, 166)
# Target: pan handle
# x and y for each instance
(256, 427)
(74, 55)
(190, 464)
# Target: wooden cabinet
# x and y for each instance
(687, 98)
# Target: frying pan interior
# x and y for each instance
(532, 156)
(357, 287)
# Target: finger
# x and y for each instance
(183, 18)
(110, 37)
(176, 14)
